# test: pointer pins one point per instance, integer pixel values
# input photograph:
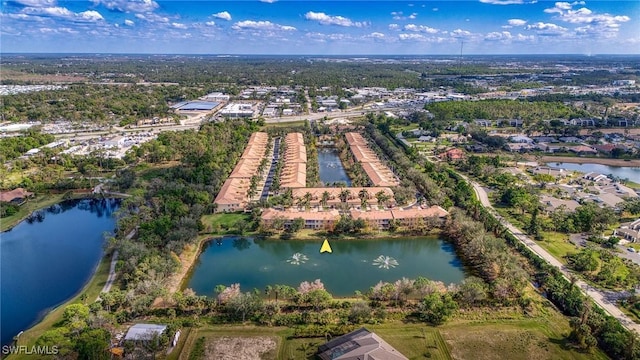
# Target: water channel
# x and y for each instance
(353, 265)
(48, 258)
(629, 173)
(330, 166)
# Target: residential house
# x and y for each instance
(629, 231)
(360, 344)
(16, 196)
(454, 154)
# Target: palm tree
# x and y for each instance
(307, 199)
(382, 197)
(344, 195)
(364, 197)
(325, 198)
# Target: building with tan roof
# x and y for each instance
(353, 198)
(414, 216)
(316, 220)
(378, 173)
(234, 194)
(294, 171)
(379, 219)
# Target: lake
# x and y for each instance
(629, 173)
(48, 258)
(330, 167)
(353, 265)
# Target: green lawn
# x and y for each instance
(218, 223)
(557, 244)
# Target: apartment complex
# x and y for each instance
(378, 173)
(334, 196)
(294, 172)
(234, 193)
(375, 219)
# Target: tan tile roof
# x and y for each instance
(271, 214)
(234, 191)
(371, 215)
(419, 213)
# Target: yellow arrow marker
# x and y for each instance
(326, 248)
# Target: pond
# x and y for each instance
(331, 169)
(353, 265)
(629, 173)
(48, 258)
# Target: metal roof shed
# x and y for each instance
(144, 332)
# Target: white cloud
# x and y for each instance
(268, 1)
(63, 13)
(224, 15)
(435, 9)
(413, 37)
(36, 3)
(178, 25)
(376, 35)
(420, 28)
(458, 33)
(398, 15)
(138, 6)
(325, 19)
(516, 22)
(394, 27)
(593, 24)
(152, 18)
(129, 22)
(210, 23)
(547, 29)
(260, 25)
(503, 2)
(498, 36)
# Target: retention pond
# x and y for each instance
(353, 264)
(48, 258)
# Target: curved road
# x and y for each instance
(598, 296)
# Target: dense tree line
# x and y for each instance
(502, 109)
(16, 146)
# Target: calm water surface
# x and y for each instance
(331, 169)
(351, 266)
(629, 173)
(48, 258)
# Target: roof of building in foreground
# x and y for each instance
(359, 345)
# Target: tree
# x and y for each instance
(364, 197)
(317, 298)
(360, 312)
(325, 199)
(296, 225)
(472, 291)
(435, 308)
(245, 304)
(382, 198)
(94, 344)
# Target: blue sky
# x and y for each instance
(321, 27)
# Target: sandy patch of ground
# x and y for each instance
(241, 348)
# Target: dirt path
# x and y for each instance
(581, 160)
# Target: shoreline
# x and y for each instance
(177, 281)
(586, 160)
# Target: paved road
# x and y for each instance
(599, 297)
(112, 269)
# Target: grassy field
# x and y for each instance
(218, 223)
(505, 333)
(91, 290)
(30, 206)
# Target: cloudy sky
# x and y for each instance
(321, 27)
